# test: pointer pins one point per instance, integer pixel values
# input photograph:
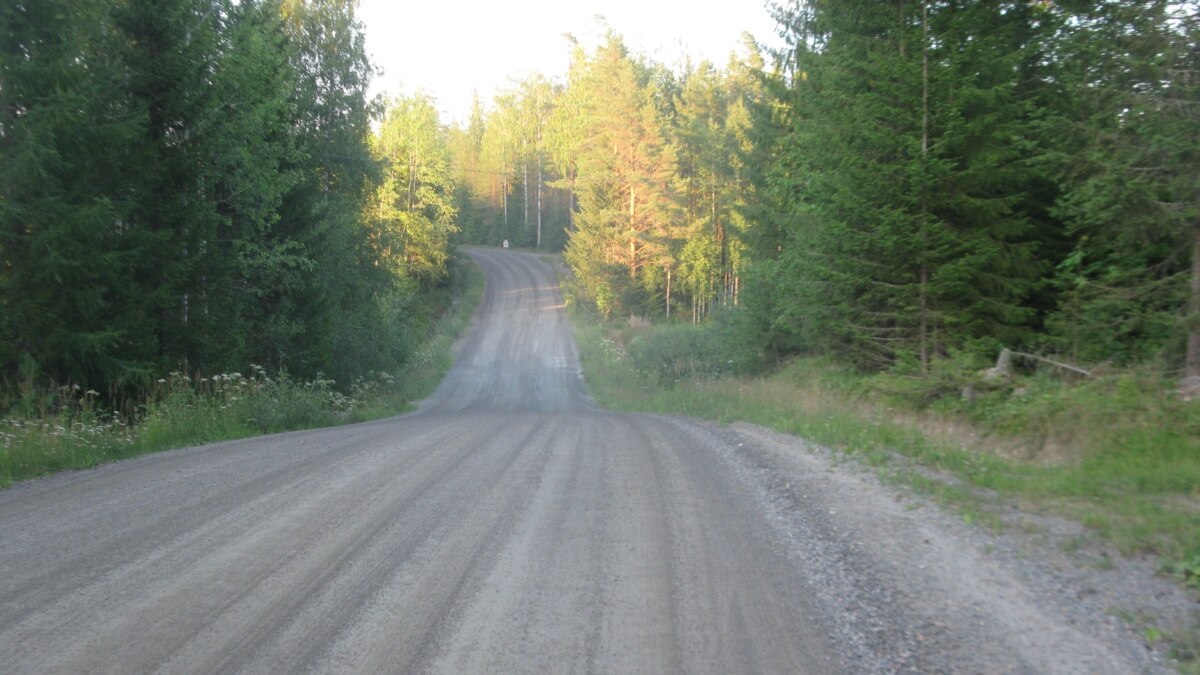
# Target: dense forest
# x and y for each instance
(637, 171)
(962, 175)
(908, 182)
(195, 185)
(200, 185)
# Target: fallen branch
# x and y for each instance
(1035, 357)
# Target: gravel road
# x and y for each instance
(509, 525)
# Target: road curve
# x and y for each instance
(508, 525)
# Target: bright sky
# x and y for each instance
(452, 48)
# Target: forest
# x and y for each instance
(195, 185)
(199, 186)
(907, 183)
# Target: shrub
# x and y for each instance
(673, 352)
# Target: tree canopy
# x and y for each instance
(907, 181)
(195, 185)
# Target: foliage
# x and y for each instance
(505, 161)
(1188, 571)
(1131, 284)
(954, 177)
(904, 177)
(674, 352)
(71, 428)
(906, 183)
(1121, 455)
(411, 216)
(76, 432)
(183, 188)
(639, 173)
(625, 166)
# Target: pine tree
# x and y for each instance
(466, 146)
(713, 137)
(625, 170)
(704, 155)
(344, 300)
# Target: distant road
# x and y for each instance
(509, 525)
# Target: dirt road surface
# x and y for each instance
(509, 525)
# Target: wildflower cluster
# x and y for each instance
(237, 404)
(613, 351)
(370, 388)
(71, 431)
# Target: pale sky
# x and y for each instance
(451, 48)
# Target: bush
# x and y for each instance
(673, 352)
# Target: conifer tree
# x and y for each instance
(69, 310)
(903, 177)
(1132, 283)
(625, 172)
(345, 300)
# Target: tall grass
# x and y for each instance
(78, 435)
(71, 429)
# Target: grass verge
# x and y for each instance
(1114, 454)
(182, 411)
(1119, 454)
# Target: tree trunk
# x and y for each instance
(539, 204)
(924, 319)
(668, 293)
(412, 181)
(632, 237)
(923, 299)
(571, 205)
(1193, 340)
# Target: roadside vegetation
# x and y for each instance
(1118, 452)
(191, 187)
(199, 185)
(69, 427)
(869, 216)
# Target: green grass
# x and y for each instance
(1118, 454)
(181, 411)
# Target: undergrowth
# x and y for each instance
(73, 429)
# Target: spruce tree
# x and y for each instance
(1131, 287)
(69, 310)
(902, 172)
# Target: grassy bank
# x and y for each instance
(1119, 453)
(79, 432)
